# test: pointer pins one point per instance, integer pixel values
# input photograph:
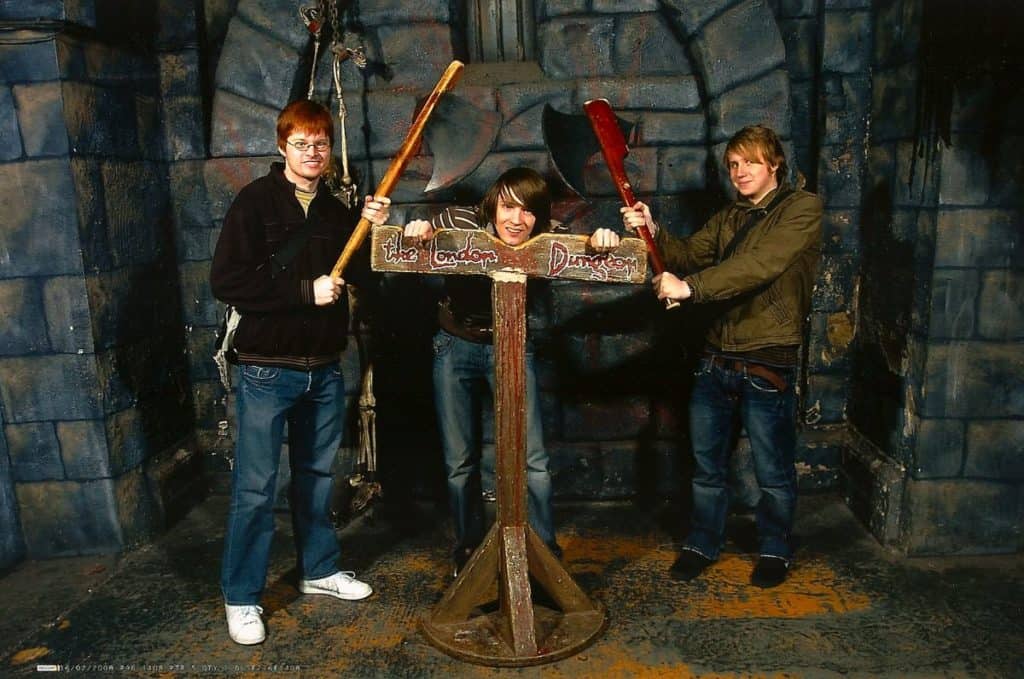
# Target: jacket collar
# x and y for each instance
(277, 175)
(745, 204)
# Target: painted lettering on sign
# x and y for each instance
(467, 254)
(395, 253)
(600, 266)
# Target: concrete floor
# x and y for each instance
(849, 609)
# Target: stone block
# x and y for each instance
(1001, 305)
(68, 317)
(24, 331)
(847, 42)
(832, 334)
(654, 93)
(30, 62)
(963, 517)
(180, 74)
(1008, 173)
(833, 289)
(198, 303)
(897, 32)
(127, 441)
(974, 379)
(224, 178)
(200, 351)
(40, 237)
(818, 460)
(242, 127)
(257, 67)
(765, 101)
(392, 113)
(846, 122)
(151, 128)
(592, 471)
(110, 63)
(553, 8)
(841, 231)
(995, 450)
(939, 452)
(68, 518)
(137, 512)
(35, 454)
(12, 544)
(178, 25)
(417, 54)
(645, 45)
(83, 447)
(798, 8)
(657, 129)
(800, 37)
(138, 231)
(847, 5)
(87, 178)
(966, 179)
(29, 394)
(10, 134)
(953, 303)
(195, 245)
(101, 121)
(979, 238)
(183, 128)
(826, 398)
(893, 92)
(521, 106)
(190, 206)
(682, 168)
(616, 6)
(840, 177)
(605, 418)
(279, 21)
(591, 39)
(692, 15)
(736, 46)
(385, 12)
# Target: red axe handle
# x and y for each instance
(613, 148)
(401, 159)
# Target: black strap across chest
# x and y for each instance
(754, 215)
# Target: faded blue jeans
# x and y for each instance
(769, 416)
(459, 367)
(313, 405)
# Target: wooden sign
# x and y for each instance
(471, 251)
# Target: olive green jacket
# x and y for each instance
(765, 285)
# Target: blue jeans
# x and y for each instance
(769, 416)
(313, 405)
(459, 368)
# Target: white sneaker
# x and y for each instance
(245, 624)
(342, 585)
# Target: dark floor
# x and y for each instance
(849, 608)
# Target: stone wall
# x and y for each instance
(94, 392)
(937, 392)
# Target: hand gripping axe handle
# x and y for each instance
(405, 153)
(614, 149)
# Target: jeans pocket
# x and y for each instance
(761, 384)
(442, 343)
(260, 374)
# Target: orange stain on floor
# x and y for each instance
(724, 590)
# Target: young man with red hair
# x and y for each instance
(756, 261)
(294, 325)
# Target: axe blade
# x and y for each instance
(460, 136)
(572, 144)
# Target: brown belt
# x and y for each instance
(762, 371)
(451, 325)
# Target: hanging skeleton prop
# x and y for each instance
(343, 186)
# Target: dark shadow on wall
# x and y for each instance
(150, 361)
(885, 302)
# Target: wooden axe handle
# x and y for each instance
(614, 149)
(401, 160)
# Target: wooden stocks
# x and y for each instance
(405, 153)
(613, 148)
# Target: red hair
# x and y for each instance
(306, 116)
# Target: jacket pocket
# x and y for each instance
(775, 305)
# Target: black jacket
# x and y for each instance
(281, 325)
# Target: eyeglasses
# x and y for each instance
(301, 145)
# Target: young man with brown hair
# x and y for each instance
(757, 259)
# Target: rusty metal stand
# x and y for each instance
(520, 632)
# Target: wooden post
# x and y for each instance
(519, 633)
